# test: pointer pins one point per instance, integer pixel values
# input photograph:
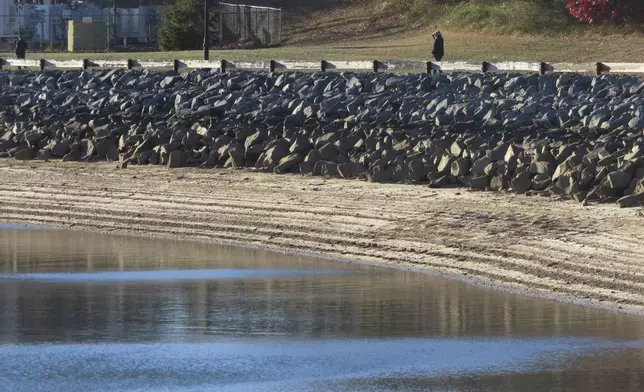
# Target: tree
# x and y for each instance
(182, 25)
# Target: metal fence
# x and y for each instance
(45, 27)
(238, 22)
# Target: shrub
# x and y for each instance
(182, 25)
(597, 11)
(592, 11)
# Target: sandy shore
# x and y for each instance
(534, 245)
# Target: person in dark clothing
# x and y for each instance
(21, 48)
(439, 47)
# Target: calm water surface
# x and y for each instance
(83, 312)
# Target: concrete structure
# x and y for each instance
(86, 37)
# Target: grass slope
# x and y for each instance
(374, 29)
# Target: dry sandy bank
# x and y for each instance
(536, 245)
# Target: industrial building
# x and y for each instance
(45, 24)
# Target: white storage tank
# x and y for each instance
(50, 26)
(136, 24)
(26, 18)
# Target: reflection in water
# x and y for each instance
(169, 275)
(297, 365)
(108, 300)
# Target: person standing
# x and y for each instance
(21, 48)
(439, 47)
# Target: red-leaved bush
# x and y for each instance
(592, 11)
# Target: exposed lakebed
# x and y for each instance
(85, 312)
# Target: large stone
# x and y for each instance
(175, 159)
(445, 164)
(512, 152)
(165, 150)
(319, 168)
(329, 137)
(112, 153)
(300, 145)
(418, 169)
(331, 170)
(541, 182)
(306, 168)
(86, 148)
(25, 154)
(562, 169)
(439, 181)
(566, 184)
(457, 149)
(7, 145)
(350, 170)
(587, 177)
(498, 153)
(479, 182)
(478, 167)
(492, 169)
(499, 182)
(275, 154)
(631, 200)
(288, 163)
(254, 139)
(379, 174)
(400, 173)
(637, 186)
(60, 149)
(170, 81)
(102, 148)
(236, 155)
(543, 167)
(142, 158)
(328, 152)
(522, 182)
(460, 167)
(44, 155)
(312, 157)
(617, 180)
(153, 157)
(73, 155)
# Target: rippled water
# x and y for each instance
(83, 312)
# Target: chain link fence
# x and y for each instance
(45, 28)
(238, 22)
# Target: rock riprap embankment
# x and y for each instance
(574, 135)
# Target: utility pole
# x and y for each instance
(109, 27)
(206, 40)
(115, 32)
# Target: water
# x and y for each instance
(83, 312)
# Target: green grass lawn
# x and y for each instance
(458, 46)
